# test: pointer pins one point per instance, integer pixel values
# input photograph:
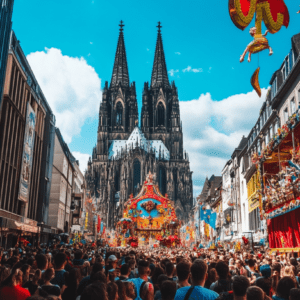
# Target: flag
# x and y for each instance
(208, 217)
(98, 224)
(101, 230)
(206, 229)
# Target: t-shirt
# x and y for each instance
(198, 293)
(51, 289)
(59, 278)
(14, 293)
(83, 284)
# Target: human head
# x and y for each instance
(198, 271)
(255, 293)
(94, 291)
(161, 279)
(169, 269)
(60, 260)
(112, 291)
(294, 294)
(284, 286)
(113, 261)
(78, 254)
(251, 263)
(168, 290)
(130, 292)
(41, 261)
(48, 274)
(222, 269)
(212, 275)
(143, 268)
(183, 270)
(146, 291)
(265, 271)
(125, 270)
(264, 284)
(240, 285)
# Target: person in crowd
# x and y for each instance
(161, 279)
(97, 267)
(32, 285)
(222, 284)
(146, 291)
(284, 286)
(11, 288)
(130, 293)
(144, 270)
(60, 260)
(170, 270)
(240, 285)
(255, 293)
(294, 294)
(157, 272)
(95, 291)
(183, 270)
(125, 272)
(211, 278)
(71, 281)
(112, 291)
(197, 290)
(41, 262)
(121, 290)
(168, 290)
(48, 287)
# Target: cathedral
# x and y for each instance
(125, 153)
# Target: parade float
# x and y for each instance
(279, 164)
(149, 219)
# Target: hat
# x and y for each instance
(265, 271)
(112, 258)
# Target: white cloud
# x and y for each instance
(213, 129)
(83, 160)
(178, 53)
(172, 72)
(70, 85)
(190, 69)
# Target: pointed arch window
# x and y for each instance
(160, 114)
(162, 179)
(119, 113)
(136, 176)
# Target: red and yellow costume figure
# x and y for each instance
(274, 13)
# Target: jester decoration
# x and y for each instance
(274, 13)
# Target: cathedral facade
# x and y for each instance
(126, 153)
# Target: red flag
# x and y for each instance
(103, 229)
(98, 224)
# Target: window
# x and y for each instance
(136, 176)
(271, 131)
(293, 106)
(267, 138)
(258, 147)
(160, 114)
(276, 126)
(119, 113)
(274, 88)
(291, 61)
(286, 115)
(286, 67)
(283, 73)
(261, 121)
(162, 179)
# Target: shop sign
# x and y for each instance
(253, 203)
(27, 156)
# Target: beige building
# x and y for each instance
(62, 185)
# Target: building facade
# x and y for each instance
(125, 153)
(62, 185)
(22, 137)
(6, 10)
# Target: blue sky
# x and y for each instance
(78, 39)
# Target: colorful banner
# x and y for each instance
(98, 224)
(27, 154)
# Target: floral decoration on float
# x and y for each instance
(149, 217)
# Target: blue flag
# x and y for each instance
(212, 220)
(101, 229)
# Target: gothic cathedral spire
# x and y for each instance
(159, 72)
(120, 70)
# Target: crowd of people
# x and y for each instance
(95, 273)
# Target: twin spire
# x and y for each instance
(120, 71)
